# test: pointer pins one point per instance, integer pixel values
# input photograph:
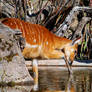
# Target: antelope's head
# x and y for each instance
(71, 51)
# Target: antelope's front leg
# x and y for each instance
(68, 65)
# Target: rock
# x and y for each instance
(12, 63)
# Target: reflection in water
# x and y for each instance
(58, 80)
(70, 87)
(16, 89)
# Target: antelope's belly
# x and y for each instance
(31, 51)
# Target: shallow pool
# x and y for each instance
(58, 80)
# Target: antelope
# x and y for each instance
(40, 42)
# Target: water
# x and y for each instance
(58, 80)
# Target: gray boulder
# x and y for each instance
(12, 63)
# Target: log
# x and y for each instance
(80, 27)
(66, 24)
(59, 63)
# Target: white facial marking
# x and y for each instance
(72, 50)
(31, 46)
(68, 53)
(77, 41)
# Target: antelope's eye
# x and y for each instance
(75, 52)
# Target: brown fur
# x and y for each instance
(47, 45)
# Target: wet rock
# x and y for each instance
(12, 63)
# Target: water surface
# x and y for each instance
(58, 80)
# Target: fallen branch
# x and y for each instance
(66, 24)
(80, 27)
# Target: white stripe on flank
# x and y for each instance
(31, 46)
(22, 28)
(16, 24)
(11, 24)
(34, 40)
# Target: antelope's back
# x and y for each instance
(33, 33)
(38, 38)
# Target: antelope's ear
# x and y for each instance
(76, 41)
